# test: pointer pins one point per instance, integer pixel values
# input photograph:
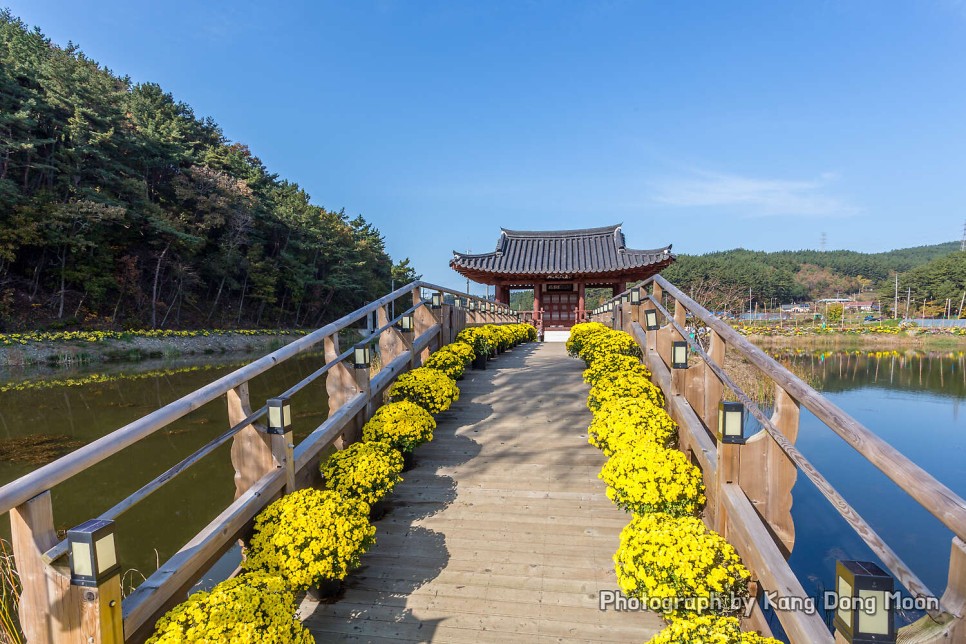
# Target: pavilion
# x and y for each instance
(559, 265)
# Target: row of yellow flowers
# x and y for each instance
(666, 555)
(803, 331)
(488, 338)
(8, 339)
(311, 536)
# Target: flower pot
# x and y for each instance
(409, 461)
(379, 509)
(480, 363)
(327, 590)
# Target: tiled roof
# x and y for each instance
(574, 252)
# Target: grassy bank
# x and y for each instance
(72, 347)
(923, 342)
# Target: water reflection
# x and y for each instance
(911, 400)
(941, 373)
(83, 406)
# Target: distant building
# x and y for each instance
(860, 306)
(559, 266)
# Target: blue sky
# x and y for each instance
(709, 125)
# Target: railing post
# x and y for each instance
(678, 375)
(101, 619)
(392, 343)
(768, 475)
(713, 389)
(341, 386)
(657, 292)
(446, 335)
(954, 599)
(423, 320)
(50, 609)
(251, 449)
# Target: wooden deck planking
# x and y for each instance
(502, 532)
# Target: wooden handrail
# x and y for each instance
(44, 478)
(866, 532)
(262, 480)
(938, 499)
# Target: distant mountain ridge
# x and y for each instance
(724, 278)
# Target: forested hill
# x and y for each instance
(723, 278)
(119, 207)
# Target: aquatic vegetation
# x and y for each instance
(37, 449)
(11, 339)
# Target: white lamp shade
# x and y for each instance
(106, 553)
(877, 622)
(82, 562)
(679, 355)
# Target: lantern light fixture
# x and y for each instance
(279, 415)
(650, 320)
(93, 556)
(864, 612)
(437, 300)
(625, 298)
(679, 354)
(636, 296)
(362, 356)
(472, 305)
(406, 323)
(731, 422)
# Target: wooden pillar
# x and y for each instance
(581, 303)
(251, 448)
(537, 300)
(503, 294)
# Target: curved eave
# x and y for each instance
(483, 276)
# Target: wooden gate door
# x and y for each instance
(560, 310)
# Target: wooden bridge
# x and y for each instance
(502, 531)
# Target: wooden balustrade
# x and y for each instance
(749, 486)
(52, 611)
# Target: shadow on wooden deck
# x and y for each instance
(502, 532)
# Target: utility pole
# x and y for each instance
(749, 299)
(908, 295)
(962, 244)
(895, 308)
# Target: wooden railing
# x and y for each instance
(54, 611)
(749, 486)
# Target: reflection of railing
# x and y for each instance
(52, 610)
(749, 486)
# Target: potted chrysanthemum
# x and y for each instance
(312, 539)
(404, 425)
(367, 471)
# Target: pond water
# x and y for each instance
(913, 401)
(81, 405)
